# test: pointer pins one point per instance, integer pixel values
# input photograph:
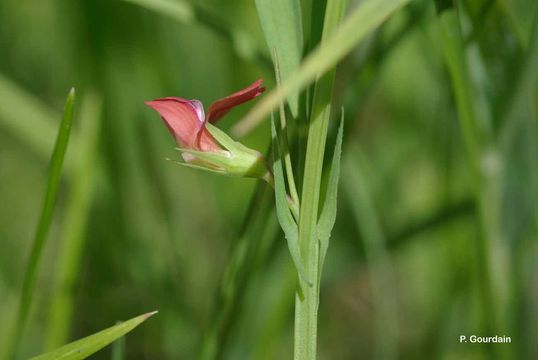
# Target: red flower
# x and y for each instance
(204, 146)
(187, 122)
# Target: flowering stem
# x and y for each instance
(307, 295)
(307, 299)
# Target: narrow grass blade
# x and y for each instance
(77, 209)
(328, 212)
(282, 25)
(45, 220)
(87, 346)
(367, 16)
(285, 218)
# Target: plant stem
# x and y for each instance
(306, 303)
(307, 295)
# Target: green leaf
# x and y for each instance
(282, 26)
(75, 217)
(328, 213)
(45, 220)
(366, 17)
(285, 218)
(87, 346)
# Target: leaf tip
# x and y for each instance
(72, 93)
(150, 314)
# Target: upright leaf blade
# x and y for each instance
(285, 218)
(76, 214)
(87, 346)
(328, 213)
(45, 220)
(282, 25)
(367, 16)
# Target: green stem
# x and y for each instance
(306, 303)
(307, 295)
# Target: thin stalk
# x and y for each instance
(307, 295)
(306, 303)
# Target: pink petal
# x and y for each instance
(186, 122)
(221, 107)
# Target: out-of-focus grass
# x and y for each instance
(31, 270)
(159, 236)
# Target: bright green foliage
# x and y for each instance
(87, 346)
(282, 26)
(207, 250)
(366, 17)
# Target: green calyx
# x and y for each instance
(235, 160)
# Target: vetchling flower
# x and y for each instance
(203, 145)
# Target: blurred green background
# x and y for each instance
(402, 278)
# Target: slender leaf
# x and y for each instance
(77, 211)
(282, 25)
(285, 218)
(45, 220)
(368, 15)
(328, 213)
(87, 346)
